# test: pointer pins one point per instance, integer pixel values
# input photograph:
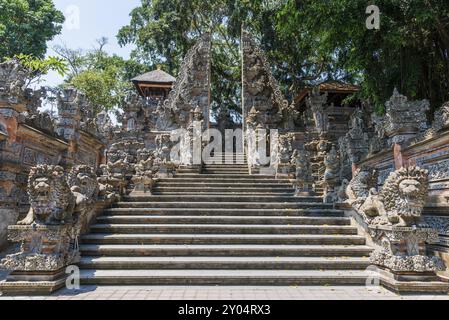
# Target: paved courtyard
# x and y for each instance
(228, 293)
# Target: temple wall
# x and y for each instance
(25, 147)
(433, 155)
(29, 137)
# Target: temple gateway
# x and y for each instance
(309, 192)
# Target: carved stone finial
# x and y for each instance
(261, 91)
(192, 86)
(51, 201)
(403, 118)
(13, 78)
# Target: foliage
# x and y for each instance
(410, 51)
(26, 26)
(43, 66)
(307, 41)
(103, 78)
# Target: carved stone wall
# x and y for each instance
(428, 150)
(29, 137)
(192, 86)
(263, 104)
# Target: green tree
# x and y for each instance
(410, 51)
(163, 31)
(306, 41)
(26, 26)
(103, 78)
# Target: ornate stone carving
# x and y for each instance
(33, 116)
(341, 192)
(357, 137)
(393, 219)
(303, 178)
(51, 201)
(163, 158)
(192, 86)
(404, 119)
(316, 102)
(331, 175)
(44, 248)
(402, 249)
(119, 168)
(143, 179)
(439, 223)
(133, 118)
(379, 141)
(285, 147)
(105, 127)
(69, 109)
(285, 153)
(400, 201)
(441, 121)
(13, 81)
(358, 188)
(84, 186)
(261, 91)
(49, 234)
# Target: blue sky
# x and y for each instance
(88, 20)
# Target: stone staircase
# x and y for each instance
(223, 227)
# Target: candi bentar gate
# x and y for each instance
(347, 196)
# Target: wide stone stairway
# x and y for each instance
(223, 227)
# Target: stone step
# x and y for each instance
(225, 166)
(217, 189)
(212, 179)
(217, 193)
(222, 229)
(223, 277)
(222, 198)
(224, 220)
(230, 207)
(98, 238)
(206, 184)
(224, 212)
(227, 175)
(219, 173)
(243, 263)
(225, 250)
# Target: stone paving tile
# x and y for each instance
(229, 293)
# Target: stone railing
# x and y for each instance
(431, 152)
(62, 206)
(29, 137)
(391, 218)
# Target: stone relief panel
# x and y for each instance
(264, 105)
(192, 86)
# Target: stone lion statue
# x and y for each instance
(400, 201)
(358, 188)
(83, 184)
(51, 201)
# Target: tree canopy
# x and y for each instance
(26, 26)
(307, 41)
(103, 78)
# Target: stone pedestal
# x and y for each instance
(285, 170)
(142, 184)
(46, 251)
(166, 170)
(401, 259)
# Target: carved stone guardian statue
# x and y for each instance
(143, 179)
(303, 178)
